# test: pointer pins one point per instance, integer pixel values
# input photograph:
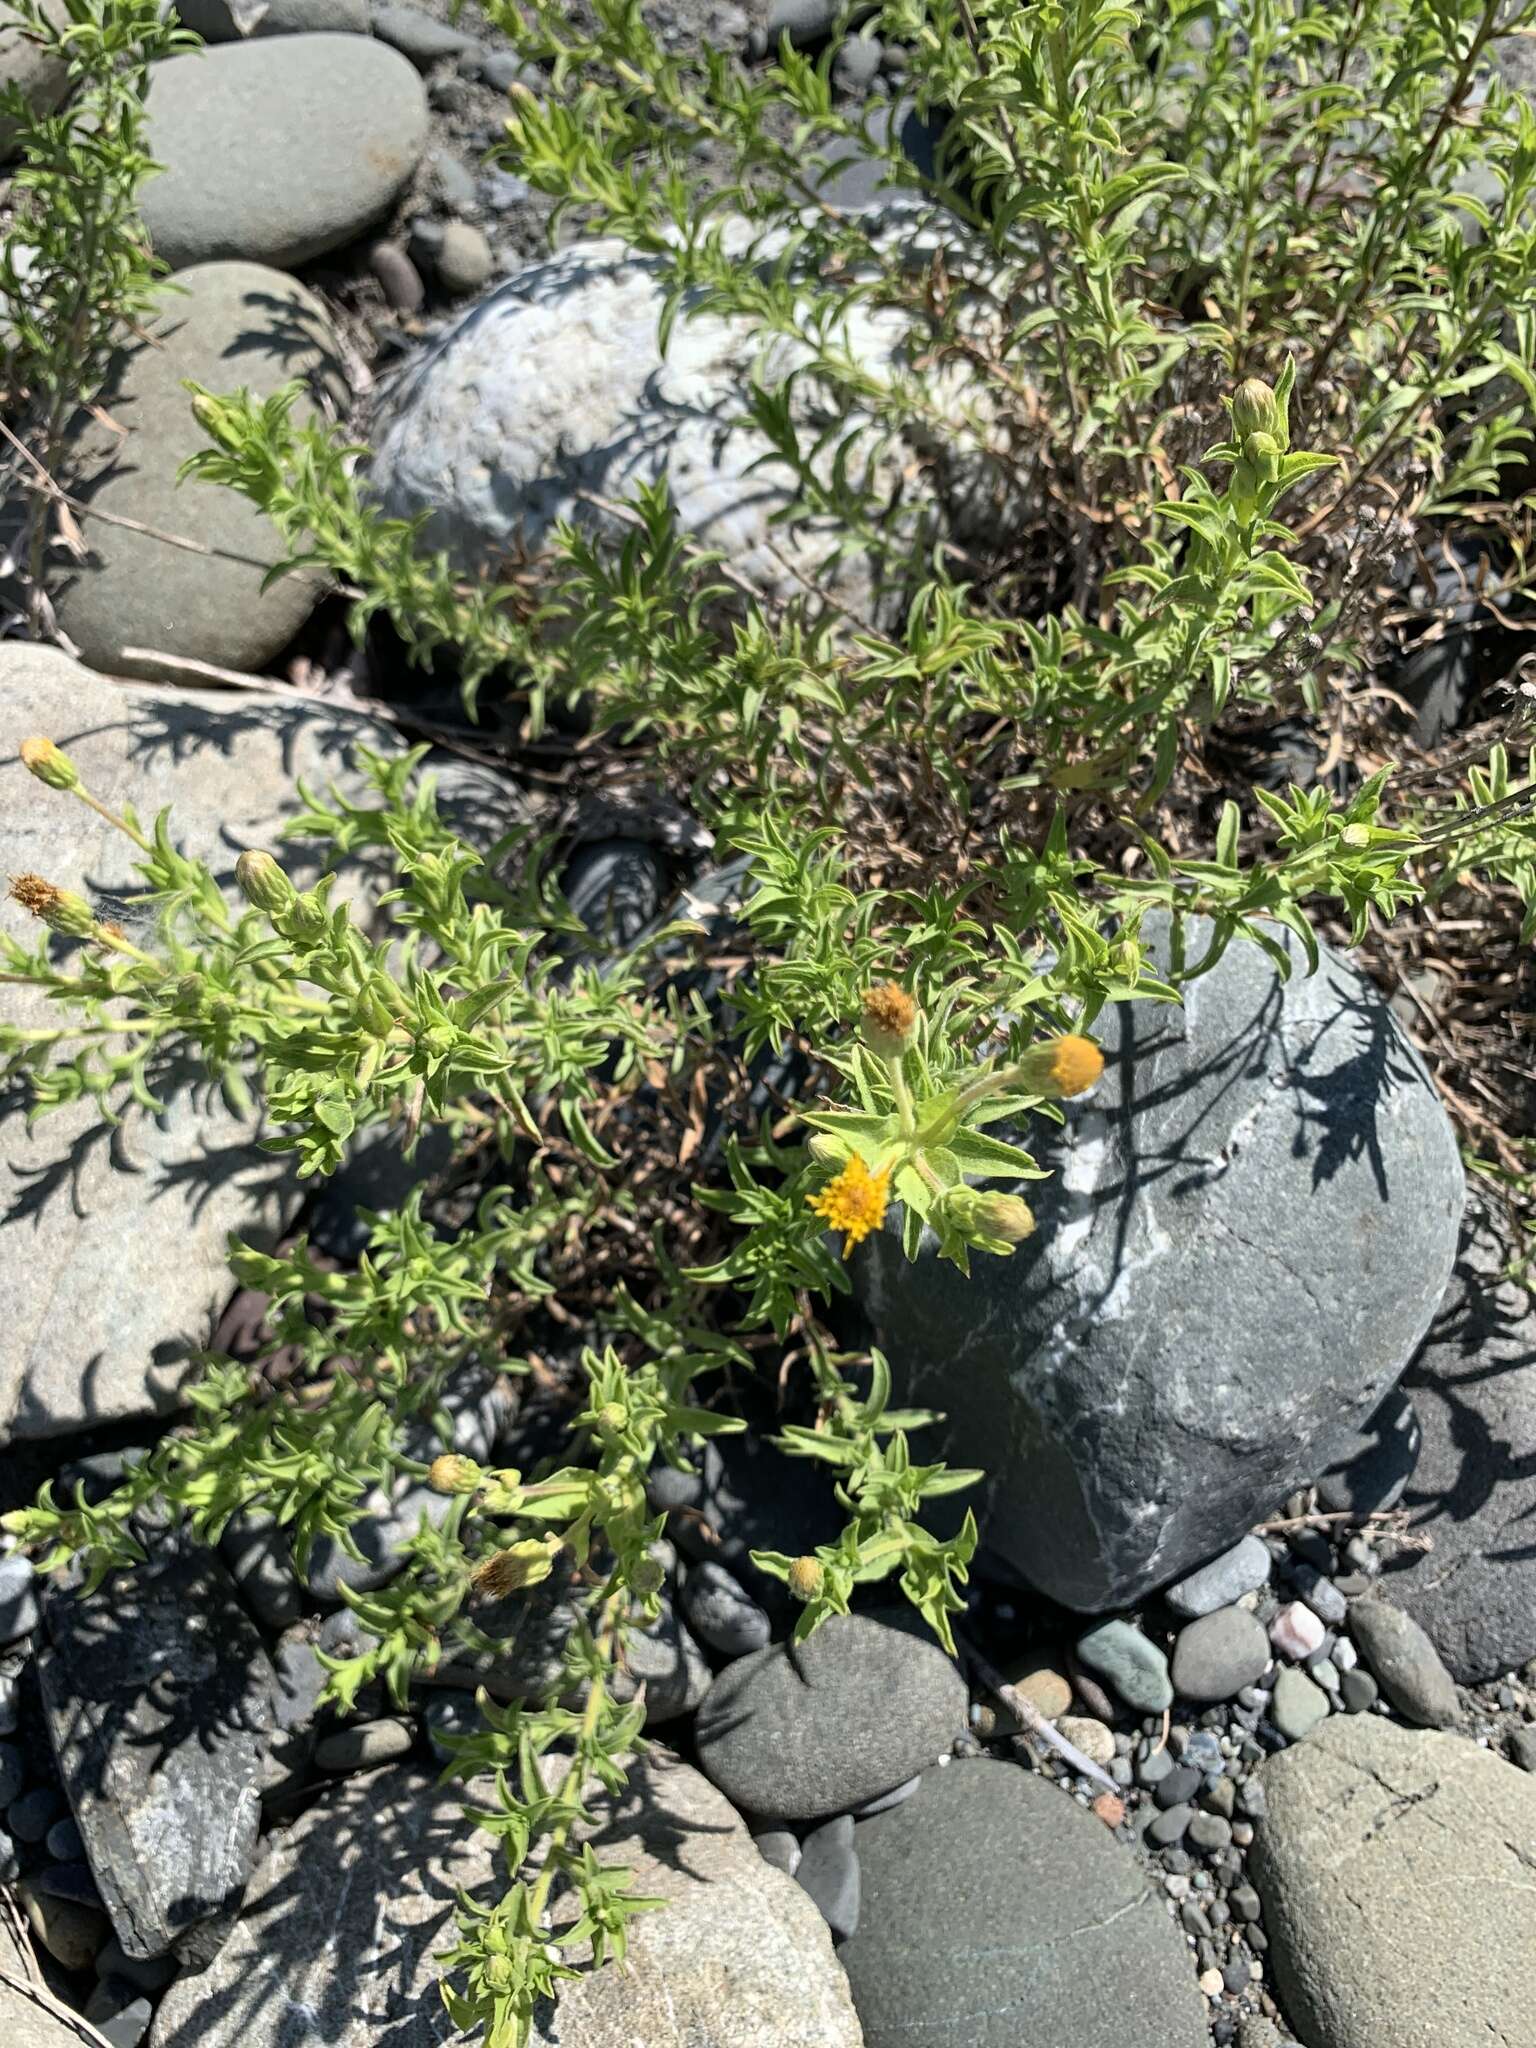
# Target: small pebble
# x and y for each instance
(1299, 1705)
(1522, 1748)
(1153, 1768)
(1321, 1595)
(1210, 1832)
(1132, 1664)
(780, 1848)
(367, 1743)
(1242, 1834)
(1045, 1689)
(1238, 1571)
(10, 1706)
(1221, 1797)
(464, 260)
(63, 1842)
(18, 1597)
(1344, 1656)
(1095, 1741)
(1235, 1977)
(1252, 1799)
(1244, 1901)
(1176, 1885)
(1168, 1827)
(1359, 1692)
(34, 1813)
(1296, 1631)
(1178, 1787)
(1212, 1983)
(829, 1871)
(1109, 1809)
(398, 275)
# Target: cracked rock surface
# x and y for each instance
(996, 1913)
(1398, 1873)
(1246, 1233)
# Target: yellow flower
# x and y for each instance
(1058, 1067)
(855, 1202)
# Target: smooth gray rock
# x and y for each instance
(18, 1599)
(1379, 1461)
(803, 1730)
(1247, 1231)
(464, 261)
(1404, 1663)
(553, 389)
(157, 1691)
(1472, 1491)
(1395, 1868)
(829, 1870)
(1242, 1569)
(86, 1206)
(615, 888)
(746, 1496)
(279, 150)
(1216, 1656)
(721, 1613)
(1133, 1664)
(996, 1913)
(231, 21)
(41, 76)
(1299, 1704)
(256, 1553)
(230, 325)
(366, 1744)
(417, 34)
(350, 1905)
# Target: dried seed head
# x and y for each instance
(60, 909)
(647, 1577)
(807, 1576)
(262, 882)
(49, 764)
(510, 1570)
(889, 1020)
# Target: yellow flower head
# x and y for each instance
(855, 1202)
(1059, 1067)
(49, 764)
(807, 1575)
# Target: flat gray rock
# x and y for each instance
(803, 1730)
(83, 1207)
(42, 77)
(1396, 1870)
(1472, 1488)
(1404, 1663)
(230, 325)
(997, 1913)
(1247, 1231)
(554, 388)
(280, 149)
(157, 1693)
(345, 1914)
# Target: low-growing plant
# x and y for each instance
(1205, 312)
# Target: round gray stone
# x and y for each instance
(1247, 1231)
(277, 151)
(464, 261)
(803, 1730)
(1299, 1705)
(1215, 1657)
(720, 1612)
(1395, 1869)
(229, 325)
(997, 1912)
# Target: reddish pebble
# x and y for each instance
(1296, 1631)
(1109, 1809)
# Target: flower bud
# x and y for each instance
(647, 1577)
(889, 1020)
(49, 764)
(1255, 409)
(807, 1576)
(612, 1419)
(825, 1149)
(983, 1212)
(223, 1009)
(1059, 1067)
(451, 1473)
(518, 1566)
(263, 884)
(499, 1973)
(189, 990)
(1356, 836)
(60, 909)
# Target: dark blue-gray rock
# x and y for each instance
(1133, 1664)
(803, 1730)
(121, 2023)
(1320, 1594)
(829, 1870)
(1378, 1462)
(31, 1816)
(1216, 1656)
(156, 1692)
(996, 1913)
(1395, 1866)
(1473, 1488)
(780, 1847)
(13, 1775)
(256, 1552)
(299, 1678)
(1246, 1233)
(1404, 1663)
(721, 1613)
(615, 888)
(231, 21)
(1242, 1569)
(18, 1598)
(417, 34)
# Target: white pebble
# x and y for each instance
(1296, 1631)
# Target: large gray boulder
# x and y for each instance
(346, 1913)
(86, 1213)
(40, 75)
(1396, 1873)
(1472, 1490)
(228, 325)
(996, 1913)
(280, 149)
(231, 21)
(157, 1693)
(554, 390)
(1247, 1231)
